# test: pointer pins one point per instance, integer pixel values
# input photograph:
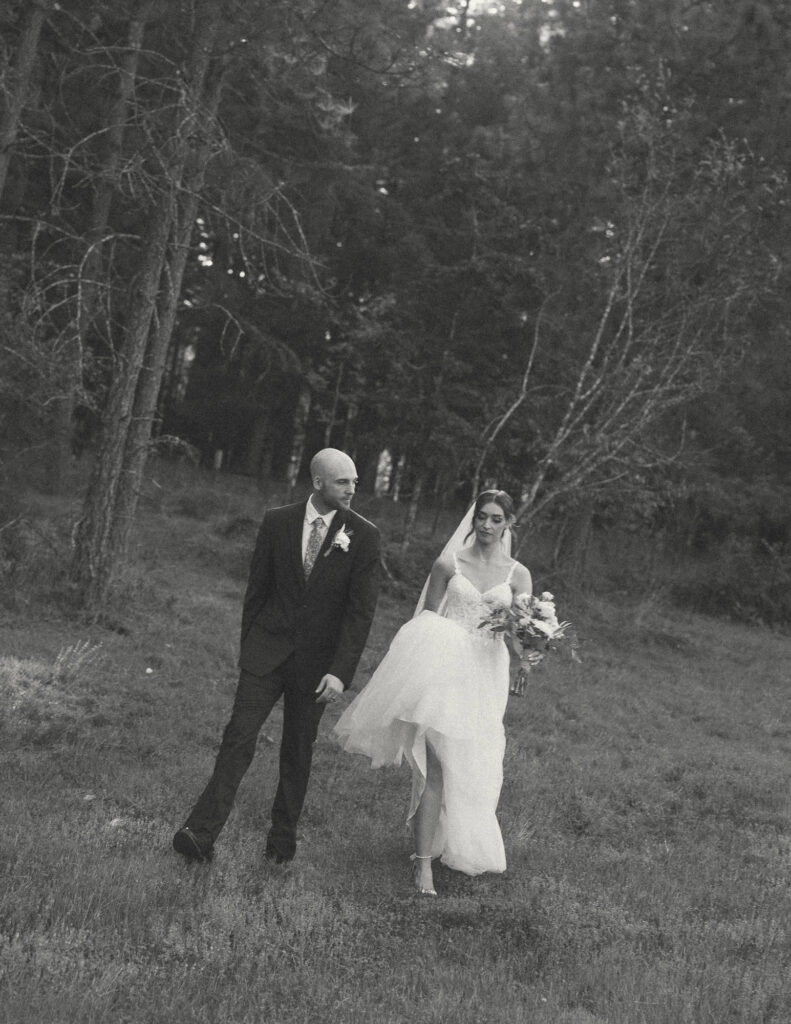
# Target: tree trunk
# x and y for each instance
(151, 372)
(10, 244)
(490, 435)
(91, 272)
(17, 95)
(106, 519)
(573, 549)
(257, 448)
(334, 410)
(440, 498)
(348, 427)
(411, 517)
(298, 444)
(58, 455)
(397, 478)
(94, 557)
(17, 92)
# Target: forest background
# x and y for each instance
(538, 244)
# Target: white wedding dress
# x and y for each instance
(444, 681)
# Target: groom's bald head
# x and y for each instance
(330, 461)
(334, 478)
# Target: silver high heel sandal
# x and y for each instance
(421, 890)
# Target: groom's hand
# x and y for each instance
(329, 689)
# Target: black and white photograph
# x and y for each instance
(395, 511)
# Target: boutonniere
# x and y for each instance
(340, 541)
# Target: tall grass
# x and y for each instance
(645, 814)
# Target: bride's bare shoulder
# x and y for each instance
(444, 565)
(521, 580)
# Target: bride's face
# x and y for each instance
(490, 523)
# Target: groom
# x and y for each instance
(310, 600)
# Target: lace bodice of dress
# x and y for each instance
(468, 606)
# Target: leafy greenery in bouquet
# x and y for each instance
(532, 626)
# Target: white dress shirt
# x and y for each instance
(307, 523)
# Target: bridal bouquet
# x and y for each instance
(533, 627)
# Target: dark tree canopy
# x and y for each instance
(544, 244)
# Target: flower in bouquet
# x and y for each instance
(498, 616)
(535, 618)
(534, 629)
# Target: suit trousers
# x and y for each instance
(254, 700)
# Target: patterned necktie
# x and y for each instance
(314, 544)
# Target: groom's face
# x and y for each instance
(336, 486)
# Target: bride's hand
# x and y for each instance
(532, 658)
(527, 662)
(519, 682)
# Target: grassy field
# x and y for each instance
(645, 812)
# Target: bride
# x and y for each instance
(438, 698)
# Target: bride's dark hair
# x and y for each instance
(501, 498)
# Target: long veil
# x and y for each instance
(461, 537)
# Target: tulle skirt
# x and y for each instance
(441, 685)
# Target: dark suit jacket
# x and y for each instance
(324, 622)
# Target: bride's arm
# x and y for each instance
(521, 580)
(521, 586)
(441, 572)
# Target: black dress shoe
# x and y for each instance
(188, 845)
